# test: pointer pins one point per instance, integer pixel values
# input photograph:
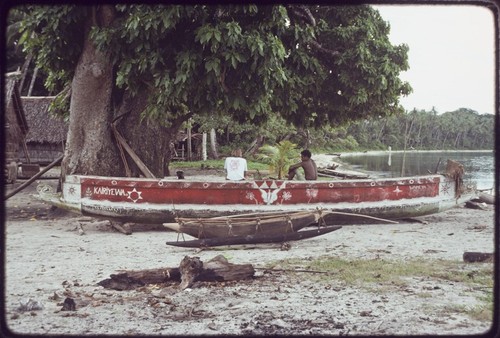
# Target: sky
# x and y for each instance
(451, 57)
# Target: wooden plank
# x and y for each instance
(145, 170)
(122, 154)
(344, 174)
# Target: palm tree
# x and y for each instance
(279, 157)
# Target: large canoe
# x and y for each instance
(162, 200)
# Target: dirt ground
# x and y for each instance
(48, 259)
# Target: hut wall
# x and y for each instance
(41, 153)
(13, 134)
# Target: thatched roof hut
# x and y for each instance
(44, 127)
(47, 134)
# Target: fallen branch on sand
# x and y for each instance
(190, 270)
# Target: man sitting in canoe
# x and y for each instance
(308, 164)
(236, 166)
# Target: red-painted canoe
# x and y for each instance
(146, 200)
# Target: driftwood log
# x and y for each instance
(473, 257)
(124, 228)
(191, 270)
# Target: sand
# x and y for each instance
(49, 258)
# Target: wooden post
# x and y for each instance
(213, 144)
(204, 147)
(189, 146)
(26, 153)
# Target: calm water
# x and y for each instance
(479, 166)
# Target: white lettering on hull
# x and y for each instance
(109, 191)
(133, 195)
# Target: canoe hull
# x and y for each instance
(254, 239)
(269, 224)
(158, 201)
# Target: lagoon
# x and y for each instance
(479, 165)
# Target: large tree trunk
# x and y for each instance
(90, 147)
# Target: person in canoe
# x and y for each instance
(306, 163)
(236, 166)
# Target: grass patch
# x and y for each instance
(215, 164)
(380, 275)
(483, 311)
(364, 272)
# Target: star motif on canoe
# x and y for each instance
(445, 188)
(134, 195)
(397, 190)
(287, 195)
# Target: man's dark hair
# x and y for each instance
(306, 153)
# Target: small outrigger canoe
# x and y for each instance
(270, 224)
(254, 239)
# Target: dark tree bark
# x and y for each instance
(90, 148)
(149, 140)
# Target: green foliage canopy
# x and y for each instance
(426, 130)
(314, 65)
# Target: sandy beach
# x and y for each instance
(51, 256)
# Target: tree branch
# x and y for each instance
(302, 13)
(316, 46)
